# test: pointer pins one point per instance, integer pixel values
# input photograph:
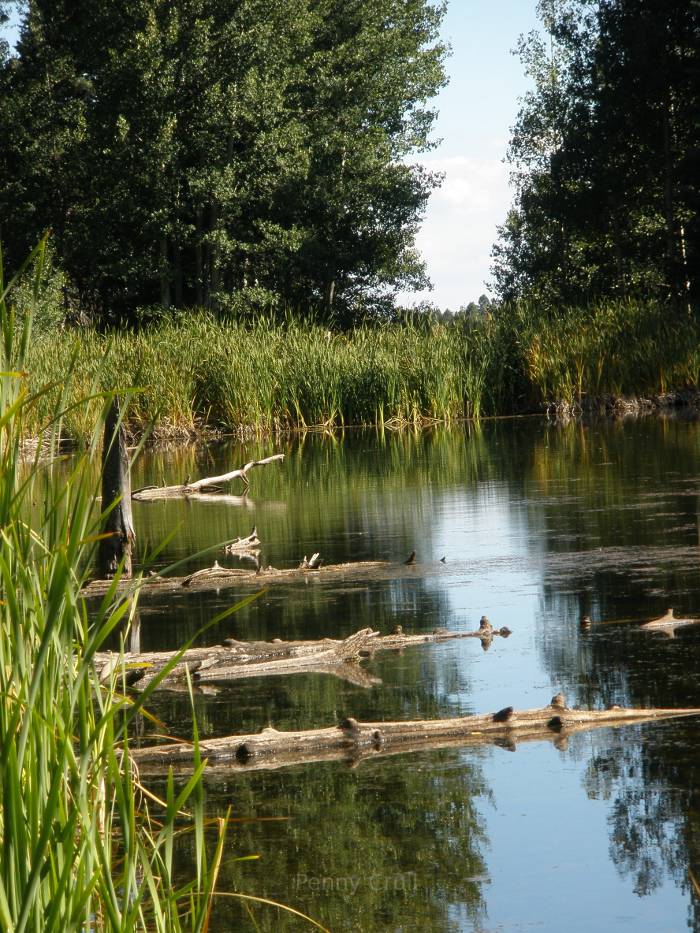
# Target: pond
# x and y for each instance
(538, 524)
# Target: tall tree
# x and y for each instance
(612, 209)
(187, 152)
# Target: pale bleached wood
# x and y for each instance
(353, 740)
(667, 624)
(185, 489)
(237, 659)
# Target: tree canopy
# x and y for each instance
(606, 155)
(204, 151)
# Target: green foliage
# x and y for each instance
(186, 152)
(605, 157)
(80, 848)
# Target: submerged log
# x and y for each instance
(236, 659)
(353, 740)
(118, 527)
(187, 488)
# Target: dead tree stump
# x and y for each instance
(117, 524)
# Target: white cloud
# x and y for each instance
(460, 227)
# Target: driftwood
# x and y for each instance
(665, 624)
(237, 659)
(187, 488)
(245, 545)
(353, 740)
(218, 577)
(115, 547)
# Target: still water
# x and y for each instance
(538, 524)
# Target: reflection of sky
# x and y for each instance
(549, 858)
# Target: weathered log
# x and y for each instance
(354, 740)
(236, 659)
(115, 547)
(187, 488)
(251, 543)
(218, 577)
(667, 624)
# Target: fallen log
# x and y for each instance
(237, 659)
(188, 488)
(353, 740)
(667, 624)
(251, 543)
(218, 577)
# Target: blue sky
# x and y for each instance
(476, 109)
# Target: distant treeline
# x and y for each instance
(606, 156)
(220, 153)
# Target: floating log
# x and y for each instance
(187, 488)
(237, 659)
(353, 740)
(245, 545)
(667, 624)
(218, 577)
(115, 547)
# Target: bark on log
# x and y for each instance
(116, 487)
(354, 740)
(185, 489)
(237, 659)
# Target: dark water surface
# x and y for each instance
(538, 524)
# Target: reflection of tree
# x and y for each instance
(614, 519)
(371, 849)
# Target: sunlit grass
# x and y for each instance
(265, 376)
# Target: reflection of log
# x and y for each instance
(353, 740)
(236, 659)
(115, 546)
(186, 488)
(667, 624)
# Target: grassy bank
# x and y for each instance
(267, 377)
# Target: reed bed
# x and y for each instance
(83, 845)
(264, 377)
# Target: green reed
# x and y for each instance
(265, 376)
(79, 848)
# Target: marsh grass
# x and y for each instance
(265, 376)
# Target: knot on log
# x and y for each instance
(503, 715)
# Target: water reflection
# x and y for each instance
(538, 525)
